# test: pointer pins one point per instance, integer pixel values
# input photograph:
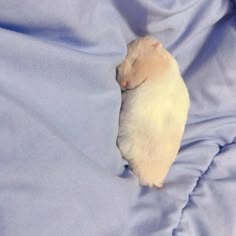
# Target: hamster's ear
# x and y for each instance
(157, 45)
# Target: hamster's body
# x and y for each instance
(153, 114)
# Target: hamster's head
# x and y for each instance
(138, 63)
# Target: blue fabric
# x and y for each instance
(61, 173)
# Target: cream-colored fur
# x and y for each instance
(155, 104)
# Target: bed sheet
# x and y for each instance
(61, 173)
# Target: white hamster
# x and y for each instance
(155, 103)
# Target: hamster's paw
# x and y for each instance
(147, 173)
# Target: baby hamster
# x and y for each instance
(155, 103)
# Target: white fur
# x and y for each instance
(154, 110)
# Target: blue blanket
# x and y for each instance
(61, 173)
